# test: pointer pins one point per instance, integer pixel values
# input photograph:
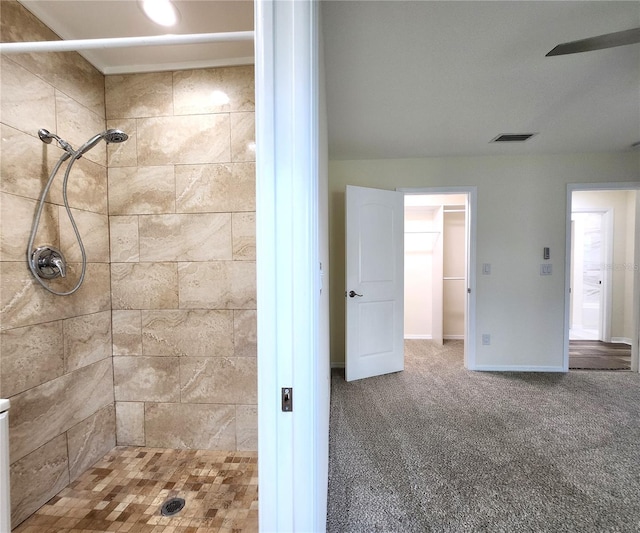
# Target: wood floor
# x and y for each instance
(597, 355)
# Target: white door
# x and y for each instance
(374, 282)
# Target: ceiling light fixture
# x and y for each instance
(161, 12)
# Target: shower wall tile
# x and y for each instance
(25, 302)
(181, 425)
(40, 414)
(194, 333)
(214, 90)
(77, 124)
(18, 85)
(184, 140)
(16, 219)
(38, 477)
(30, 356)
(139, 95)
(87, 339)
(130, 424)
(218, 380)
(90, 440)
(244, 236)
(63, 93)
(94, 232)
(25, 162)
(142, 190)
(245, 333)
(146, 379)
(127, 332)
(123, 231)
(201, 237)
(144, 286)
(247, 427)
(243, 137)
(215, 188)
(123, 154)
(217, 285)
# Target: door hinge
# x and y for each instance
(287, 399)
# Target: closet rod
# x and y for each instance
(124, 42)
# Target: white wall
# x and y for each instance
(521, 209)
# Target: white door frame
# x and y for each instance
(470, 311)
(291, 469)
(613, 186)
(606, 297)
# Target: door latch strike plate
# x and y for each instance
(287, 399)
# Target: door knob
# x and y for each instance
(353, 294)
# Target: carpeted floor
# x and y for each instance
(438, 448)
(598, 355)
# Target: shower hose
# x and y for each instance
(36, 221)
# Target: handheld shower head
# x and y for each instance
(110, 136)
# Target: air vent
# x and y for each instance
(512, 137)
(635, 146)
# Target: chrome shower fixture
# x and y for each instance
(47, 262)
(110, 136)
(46, 137)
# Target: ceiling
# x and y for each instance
(420, 79)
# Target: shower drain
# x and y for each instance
(172, 506)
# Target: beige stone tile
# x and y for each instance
(87, 339)
(123, 232)
(184, 140)
(127, 332)
(218, 380)
(69, 72)
(194, 333)
(217, 285)
(123, 154)
(94, 232)
(26, 102)
(77, 124)
(24, 302)
(141, 190)
(139, 95)
(204, 427)
(130, 423)
(16, 219)
(243, 137)
(214, 90)
(144, 285)
(30, 356)
(244, 236)
(246, 428)
(185, 237)
(90, 440)
(86, 188)
(37, 477)
(146, 379)
(245, 333)
(25, 163)
(41, 413)
(215, 188)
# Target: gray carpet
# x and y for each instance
(438, 448)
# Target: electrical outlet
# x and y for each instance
(486, 339)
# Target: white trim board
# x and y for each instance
(517, 368)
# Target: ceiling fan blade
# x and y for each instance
(608, 40)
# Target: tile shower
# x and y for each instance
(158, 347)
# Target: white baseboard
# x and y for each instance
(418, 337)
(516, 368)
(453, 337)
(621, 340)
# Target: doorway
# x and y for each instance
(439, 281)
(602, 320)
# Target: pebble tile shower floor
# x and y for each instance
(125, 490)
